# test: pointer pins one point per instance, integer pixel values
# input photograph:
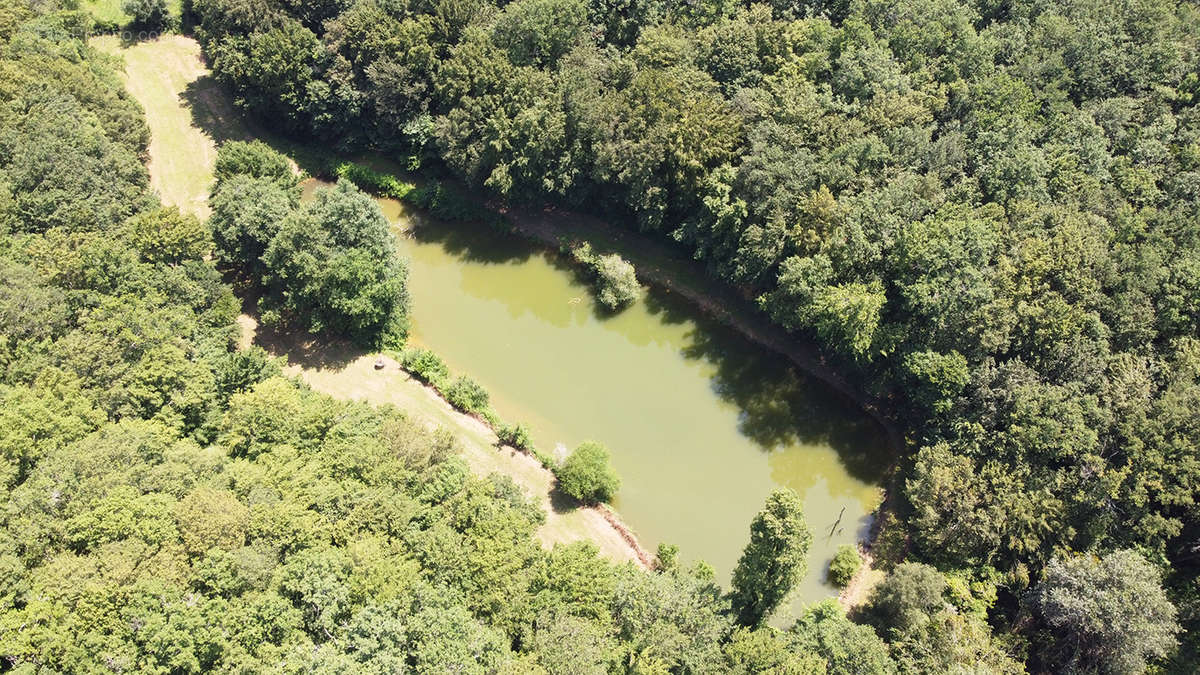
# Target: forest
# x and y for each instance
(987, 210)
(987, 213)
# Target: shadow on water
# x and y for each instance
(472, 242)
(778, 406)
(670, 309)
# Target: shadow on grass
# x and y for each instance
(300, 347)
(562, 502)
(214, 113)
(308, 350)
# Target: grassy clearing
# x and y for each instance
(169, 78)
(188, 116)
(109, 12)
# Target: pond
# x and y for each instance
(701, 423)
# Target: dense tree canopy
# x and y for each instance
(988, 211)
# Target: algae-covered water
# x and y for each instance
(701, 423)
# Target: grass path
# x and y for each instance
(161, 75)
(112, 12)
(169, 78)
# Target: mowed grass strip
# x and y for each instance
(169, 78)
(111, 12)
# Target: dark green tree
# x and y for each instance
(332, 266)
(774, 561)
(247, 213)
(252, 158)
(906, 599)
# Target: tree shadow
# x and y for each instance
(668, 307)
(779, 406)
(214, 113)
(562, 502)
(131, 36)
(304, 349)
(470, 241)
(309, 351)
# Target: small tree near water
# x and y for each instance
(466, 395)
(844, 566)
(618, 282)
(587, 475)
(615, 278)
(775, 559)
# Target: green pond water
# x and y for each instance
(701, 423)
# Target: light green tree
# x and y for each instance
(1108, 614)
(587, 475)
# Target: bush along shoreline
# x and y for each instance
(438, 198)
(467, 396)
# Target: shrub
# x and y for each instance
(148, 14)
(516, 435)
(618, 281)
(615, 278)
(444, 202)
(587, 475)
(440, 201)
(466, 395)
(383, 184)
(252, 158)
(844, 566)
(425, 365)
(666, 558)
